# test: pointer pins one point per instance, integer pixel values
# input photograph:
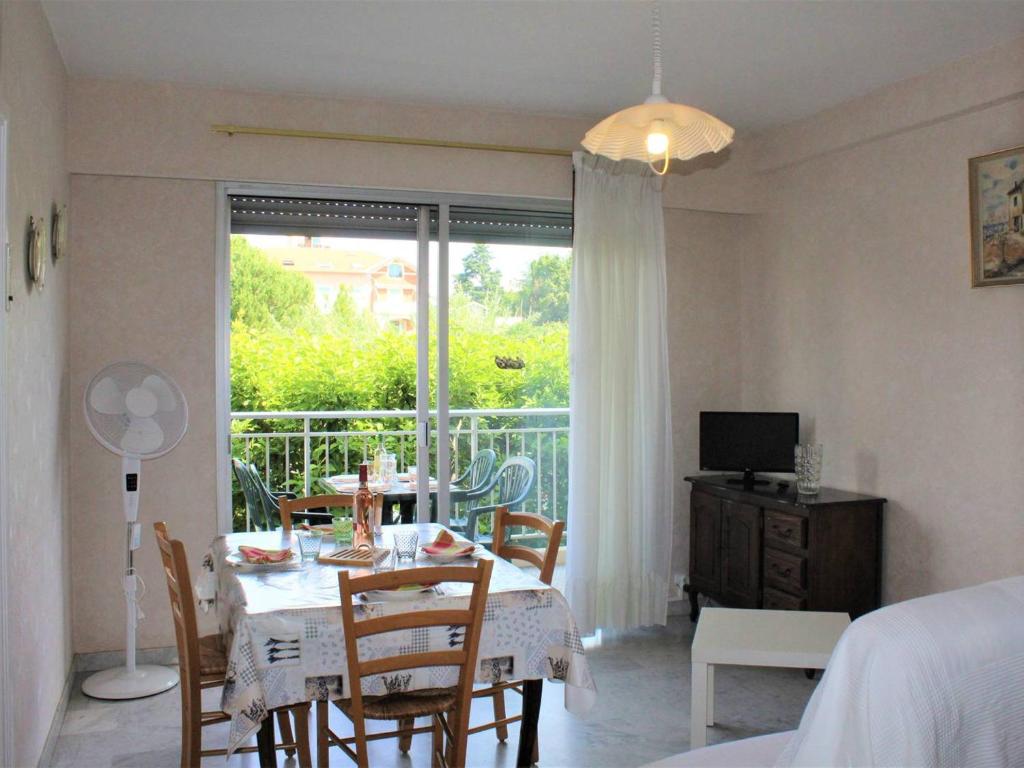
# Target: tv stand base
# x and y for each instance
(748, 481)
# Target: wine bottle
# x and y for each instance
(363, 517)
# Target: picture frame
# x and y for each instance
(36, 251)
(996, 182)
(59, 233)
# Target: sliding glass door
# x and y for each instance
(429, 328)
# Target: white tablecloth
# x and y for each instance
(287, 646)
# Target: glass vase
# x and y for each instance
(808, 467)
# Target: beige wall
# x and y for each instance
(163, 130)
(703, 254)
(143, 161)
(32, 90)
(143, 276)
(858, 312)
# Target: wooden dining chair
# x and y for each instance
(448, 708)
(290, 508)
(203, 663)
(545, 559)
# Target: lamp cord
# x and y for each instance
(656, 31)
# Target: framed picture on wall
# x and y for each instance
(997, 217)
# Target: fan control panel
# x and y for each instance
(131, 482)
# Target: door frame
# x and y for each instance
(6, 691)
(441, 200)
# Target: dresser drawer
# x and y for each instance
(780, 527)
(774, 600)
(788, 572)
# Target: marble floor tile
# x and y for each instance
(642, 714)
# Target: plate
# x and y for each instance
(236, 560)
(406, 593)
(445, 557)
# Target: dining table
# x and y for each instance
(400, 491)
(283, 630)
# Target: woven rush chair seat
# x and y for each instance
(398, 706)
(213, 656)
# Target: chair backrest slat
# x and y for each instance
(412, 661)
(503, 520)
(368, 627)
(519, 552)
(323, 501)
(183, 609)
(464, 658)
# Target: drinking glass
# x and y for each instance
(405, 544)
(808, 467)
(310, 543)
(383, 560)
(412, 475)
(342, 529)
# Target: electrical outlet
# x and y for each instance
(678, 581)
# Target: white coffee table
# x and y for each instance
(755, 638)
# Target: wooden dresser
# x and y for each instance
(768, 547)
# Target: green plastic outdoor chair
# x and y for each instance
(260, 502)
(514, 481)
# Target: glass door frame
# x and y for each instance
(427, 200)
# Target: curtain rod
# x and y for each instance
(231, 130)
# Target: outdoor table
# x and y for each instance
(284, 632)
(401, 492)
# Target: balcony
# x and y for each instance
(292, 450)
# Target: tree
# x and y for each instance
(265, 294)
(545, 292)
(478, 278)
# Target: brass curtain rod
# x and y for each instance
(231, 130)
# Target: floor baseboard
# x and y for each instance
(94, 662)
(46, 756)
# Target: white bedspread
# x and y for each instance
(936, 681)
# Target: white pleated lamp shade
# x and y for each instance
(691, 132)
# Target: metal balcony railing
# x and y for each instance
(293, 449)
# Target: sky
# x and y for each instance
(511, 260)
(997, 176)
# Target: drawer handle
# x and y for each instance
(784, 532)
(781, 572)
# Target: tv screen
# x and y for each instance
(733, 441)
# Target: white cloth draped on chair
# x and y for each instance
(620, 454)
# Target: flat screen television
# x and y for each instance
(748, 442)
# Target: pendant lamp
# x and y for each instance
(657, 130)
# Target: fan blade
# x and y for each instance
(166, 401)
(143, 436)
(105, 397)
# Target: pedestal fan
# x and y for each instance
(138, 413)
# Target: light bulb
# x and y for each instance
(657, 139)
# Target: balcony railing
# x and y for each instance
(294, 449)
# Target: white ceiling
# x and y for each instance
(754, 63)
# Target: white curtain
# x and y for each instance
(620, 454)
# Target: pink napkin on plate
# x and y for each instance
(446, 544)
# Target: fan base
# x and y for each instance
(119, 683)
